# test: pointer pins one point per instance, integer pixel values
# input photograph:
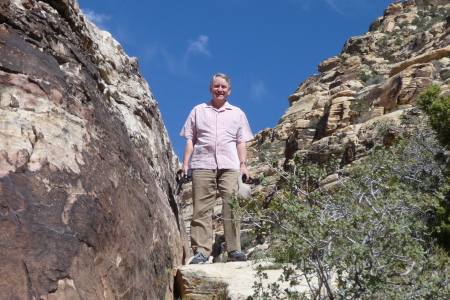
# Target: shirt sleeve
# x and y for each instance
(244, 133)
(189, 130)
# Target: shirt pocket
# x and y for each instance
(232, 128)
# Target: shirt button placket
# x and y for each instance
(216, 139)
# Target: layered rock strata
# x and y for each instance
(377, 75)
(87, 208)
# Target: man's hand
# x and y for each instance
(244, 171)
(188, 150)
(184, 169)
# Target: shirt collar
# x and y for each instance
(226, 106)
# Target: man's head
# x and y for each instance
(224, 76)
(220, 88)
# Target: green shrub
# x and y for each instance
(361, 108)
(375, 80)
(367, 239)
(313, 123)
(445, 75)
(437, 107)
(375, 26)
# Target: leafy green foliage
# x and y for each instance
(445, 75)
(368, 237)
(430, 15)
(361, 108)
(371, 78)
(437, 107)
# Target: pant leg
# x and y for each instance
(227, 183)
(204, 197)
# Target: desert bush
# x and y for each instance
(445, 75)
(437, 107)
(361, 108)
(370, 78)
(368, 239)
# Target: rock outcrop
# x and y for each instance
(87, 208)
(378, 74)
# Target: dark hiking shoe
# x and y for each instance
(198, 259)
(236, 255)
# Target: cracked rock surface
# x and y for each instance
(87, 208)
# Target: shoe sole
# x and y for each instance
(235, 259)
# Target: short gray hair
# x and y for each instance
(224, 76)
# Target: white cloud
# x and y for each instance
(179, 65)
(199, 46)
(98, 19)
(305, 4)
(258, 91)
(333, 5)
(340, 6)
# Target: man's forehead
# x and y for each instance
(220, 81)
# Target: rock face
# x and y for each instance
(87, 208)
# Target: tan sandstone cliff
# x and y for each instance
(87, 208)
(384, 70)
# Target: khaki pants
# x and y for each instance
(204, 185)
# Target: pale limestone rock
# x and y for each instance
(402, 88)
(339, 114)
(305, 104)
(393, 8)
(377, 112)
(308, 87)
(354, 85)
(329, 64)
(406, 17)
(301, 123)
(372, 59)
(329, 76)
(352, 62)
(388, 25)
(232, 281)
(39, 131)
(331, 183)
(66, 290)
(420, 59)
(282, 131)
(365, 44)
(344, 93)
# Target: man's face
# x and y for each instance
(220, 89)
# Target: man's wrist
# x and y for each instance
(243, 163)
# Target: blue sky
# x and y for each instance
(267, 47)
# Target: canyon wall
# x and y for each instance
(87, 205)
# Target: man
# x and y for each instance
(216, 133)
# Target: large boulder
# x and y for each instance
(87, 208)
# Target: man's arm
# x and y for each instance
(242, 154)
(188, 150)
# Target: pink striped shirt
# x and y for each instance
(215, 135)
